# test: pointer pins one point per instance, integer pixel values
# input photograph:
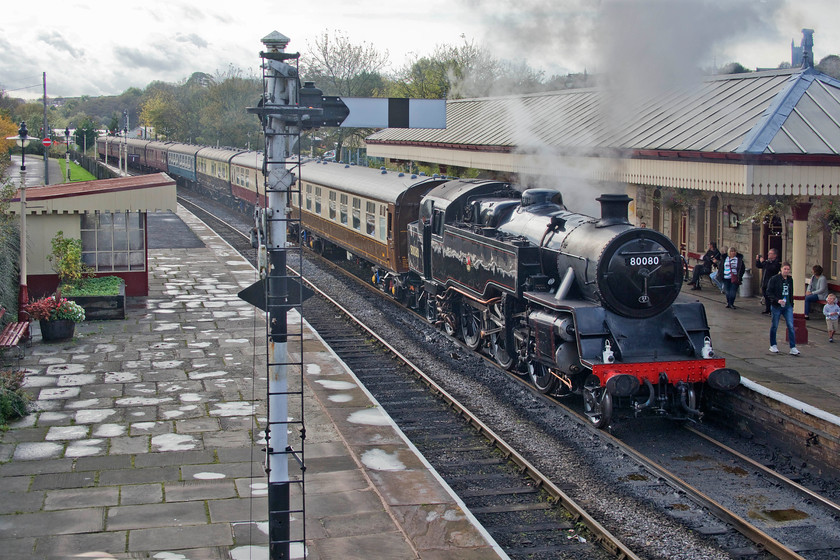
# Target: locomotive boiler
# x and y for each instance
(579, 304)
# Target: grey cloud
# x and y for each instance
(57, 41)
(192, 39)
(157, 60)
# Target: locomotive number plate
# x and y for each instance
(643, 260)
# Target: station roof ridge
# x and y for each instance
(792, 111)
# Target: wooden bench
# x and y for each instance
(13, 335)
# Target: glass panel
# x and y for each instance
(382, 229)
(103, 261)
(344, 215)
(371, 224)
(88, 240)
(136, 260)
(88, 221)
(89, 259)
(103, 240)
(135, 238)
(105, 220)
(134, 220)
(119, 220)
(318, 206)
(120, 261)
(332, 210)
(120, 240)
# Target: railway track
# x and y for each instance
(801, 529)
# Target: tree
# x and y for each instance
(161, 111)
(224, 120)
(830, 65)
(340, 67)
(86, 133)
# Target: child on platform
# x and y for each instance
(832, 312)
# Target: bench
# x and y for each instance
(13, 335)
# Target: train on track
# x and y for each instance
(580, 305)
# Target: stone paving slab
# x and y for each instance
(146, 438)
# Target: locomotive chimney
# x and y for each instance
(613, 209)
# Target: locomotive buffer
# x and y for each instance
(285, 109)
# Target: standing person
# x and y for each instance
(709, 258)
(771, 268)
(832, 312)
(817, 289)
(780, 292)
(733, 271)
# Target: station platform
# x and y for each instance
(145, 438)
(34, 170)
(807, 381)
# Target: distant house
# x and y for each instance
(109, 216)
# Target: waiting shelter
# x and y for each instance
(109, 216)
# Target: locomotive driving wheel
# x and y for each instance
(470, 325)
(597, 405)
(499, 340)
(541, 377)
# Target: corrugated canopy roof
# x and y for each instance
(773, 112)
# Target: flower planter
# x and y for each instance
(98, 308)
(53, 331)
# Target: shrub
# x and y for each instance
(14, 402)
(102, 286)
(66, 259)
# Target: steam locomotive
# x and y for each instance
(579, 305)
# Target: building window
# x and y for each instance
(114, 242)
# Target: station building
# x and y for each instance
(748, 160)
(109, 216)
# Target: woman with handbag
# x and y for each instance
(733, 272)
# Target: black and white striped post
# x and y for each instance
(285, 109)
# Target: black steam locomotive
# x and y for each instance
(580, 305)
(583, 305)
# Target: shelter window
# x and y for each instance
(114, 242)
(357, 214)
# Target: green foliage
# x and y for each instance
(14, 402)
(86, 133)
(101, 286)
(9, 250)
(66, 259)
(77, 172)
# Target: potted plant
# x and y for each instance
(57, 316)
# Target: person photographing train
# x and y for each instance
(780, 292)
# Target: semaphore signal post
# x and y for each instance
(285, 109)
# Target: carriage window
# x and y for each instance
(383, 230)
(309, 197)
(317, 200)
(332, 205)
(343, 209)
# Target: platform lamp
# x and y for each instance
(67, 151)
(22, 140)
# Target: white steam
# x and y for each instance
(638, 49)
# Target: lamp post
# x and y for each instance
(67, 151)
(22, 140)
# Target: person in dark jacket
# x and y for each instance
(771, 266)
(780, 292)
(711, 257)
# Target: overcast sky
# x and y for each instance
(98, 47)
